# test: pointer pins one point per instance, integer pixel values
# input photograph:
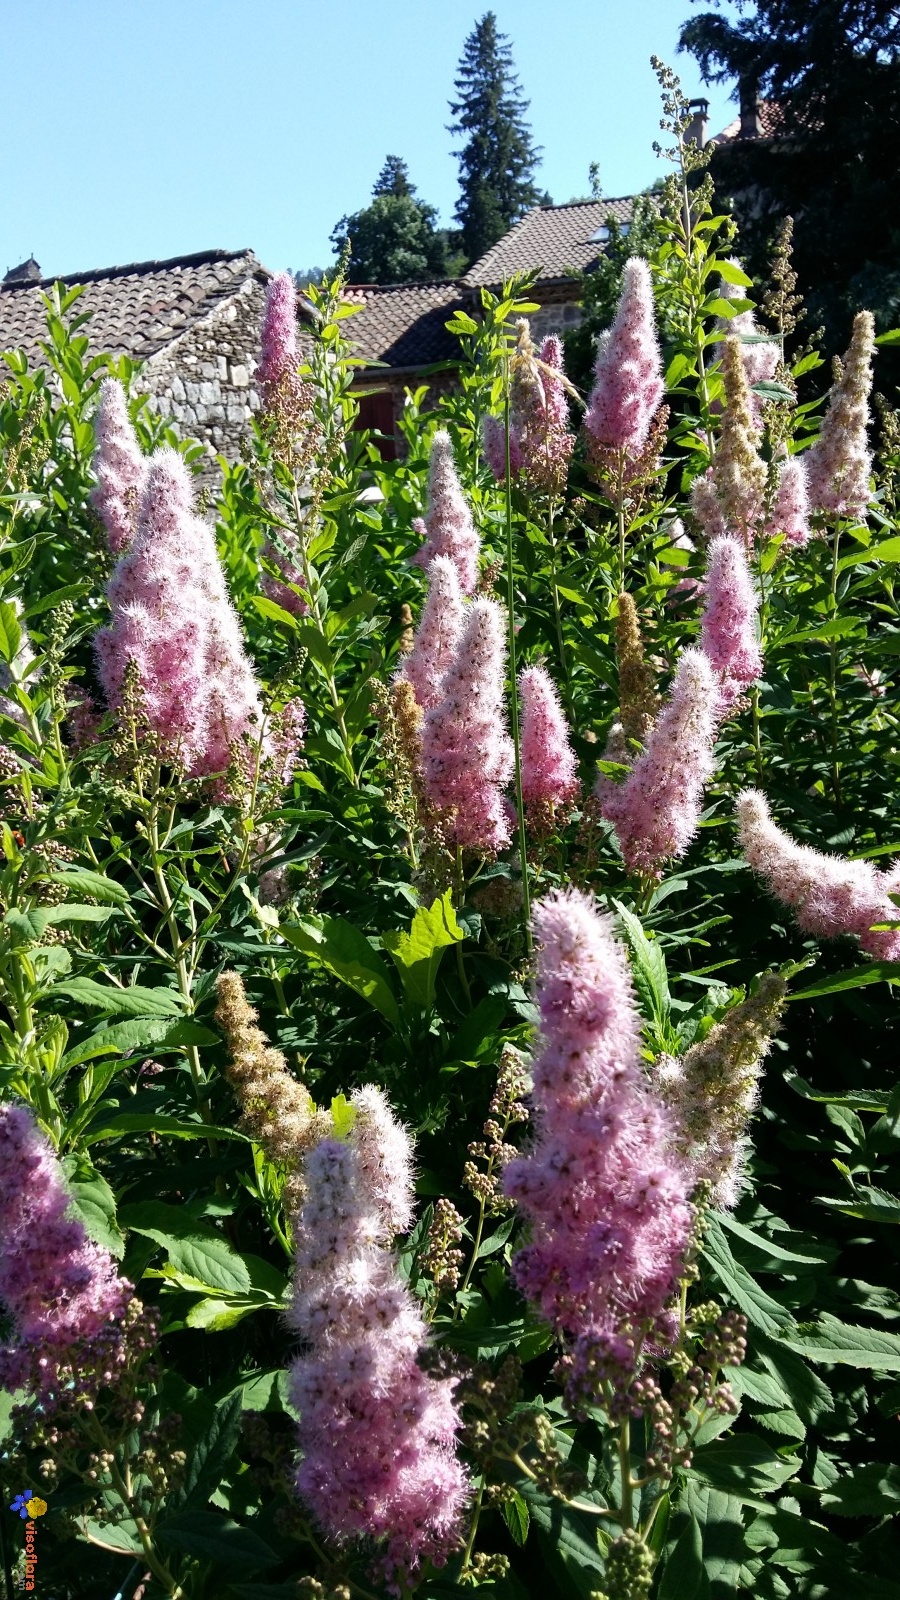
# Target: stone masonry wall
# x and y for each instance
(204, 380)
(555, 318)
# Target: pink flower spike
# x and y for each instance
(607, 1209)
(494, 443)
(628, 381)
(278, 355)
(467, 754)
(839, 463)
(655, 811)
(437, 636)
(728, 630)
(385, 1157)
(448, 520)
(790, 512)
(549, 768)
(376, 1432)
(118, 465)
(759, 358)
(60, 1288)
(829, 895)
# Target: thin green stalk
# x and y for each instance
(460, 891)
(514, 696)
(832, 679)
(315, 613)
(473, 1528)
(557, 609)
(625, 1473)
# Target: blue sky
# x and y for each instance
(140, 129)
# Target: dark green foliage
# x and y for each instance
(832, 68)
(393, 240)
(498, 161)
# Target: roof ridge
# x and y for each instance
(416, 283)
(198, 258)
(590, 200)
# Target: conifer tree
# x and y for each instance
(498, 160)
(395, 239)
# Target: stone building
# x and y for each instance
(192, 321)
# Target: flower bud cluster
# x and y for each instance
(442, 1260)
(493, 1151)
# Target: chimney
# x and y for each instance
(695, 131)
(26, 272)
(748, 92)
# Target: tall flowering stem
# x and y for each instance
(514, 700)
(377, 1431)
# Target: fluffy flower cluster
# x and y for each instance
(549, 767)
(790, 508)
(377, 1433)
(60, 1288)
(638, 700)
(173, 625)
(467, 754)
(714, 1088)
(759, 356)
(728, 630)
(607, 1209)
(655, 811)
(447, 528)
(628, 381)
(829, 895)
(285, 396)
(540, 442)
(118, 466)
(839, 464)
(437, 636)
(729, 496)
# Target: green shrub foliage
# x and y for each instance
(226, 994)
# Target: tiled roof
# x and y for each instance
(555, 239)
(771, 118)
(138, 309)
(402, 324)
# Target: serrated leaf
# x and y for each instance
(743, 1466)
(124, 1038)
(517, 1517)
(113, 1002)
(218, 1538)
(758, 1306)
(81, 880)
(343, 949)
(847, 1344)
(417, 953)
(153, 1122)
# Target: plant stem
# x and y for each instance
(514, 695)
(625, 1473)
(316, 614)
(832, 680)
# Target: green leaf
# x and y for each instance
(743, 1466)
(834, 628)
(193, 1249)
(95, 884)
(69, 911)
(209, 1460)
(217, 1538)
(684, 1574)
(846, 1343)
(756, 1304)
(156, 1122)
(113, 1002)
(887, 550)
(771, 1247)
(568, 1537)
(730, 272)
(871, 1205)
(718, 1515)
(869, 1491)
(27, 927)
(517, 1517)
(95, 1204)
(852, 978)
(344, 950)
(648, 965)
(808, 1394)
(418, 953)
(123, 1038)
(274, 612)
(10, 630)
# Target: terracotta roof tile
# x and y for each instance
(403, 324)
(557, 240)
(771, 118)
(137, 309)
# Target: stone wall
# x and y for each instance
(556, 317)
(204, 380)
